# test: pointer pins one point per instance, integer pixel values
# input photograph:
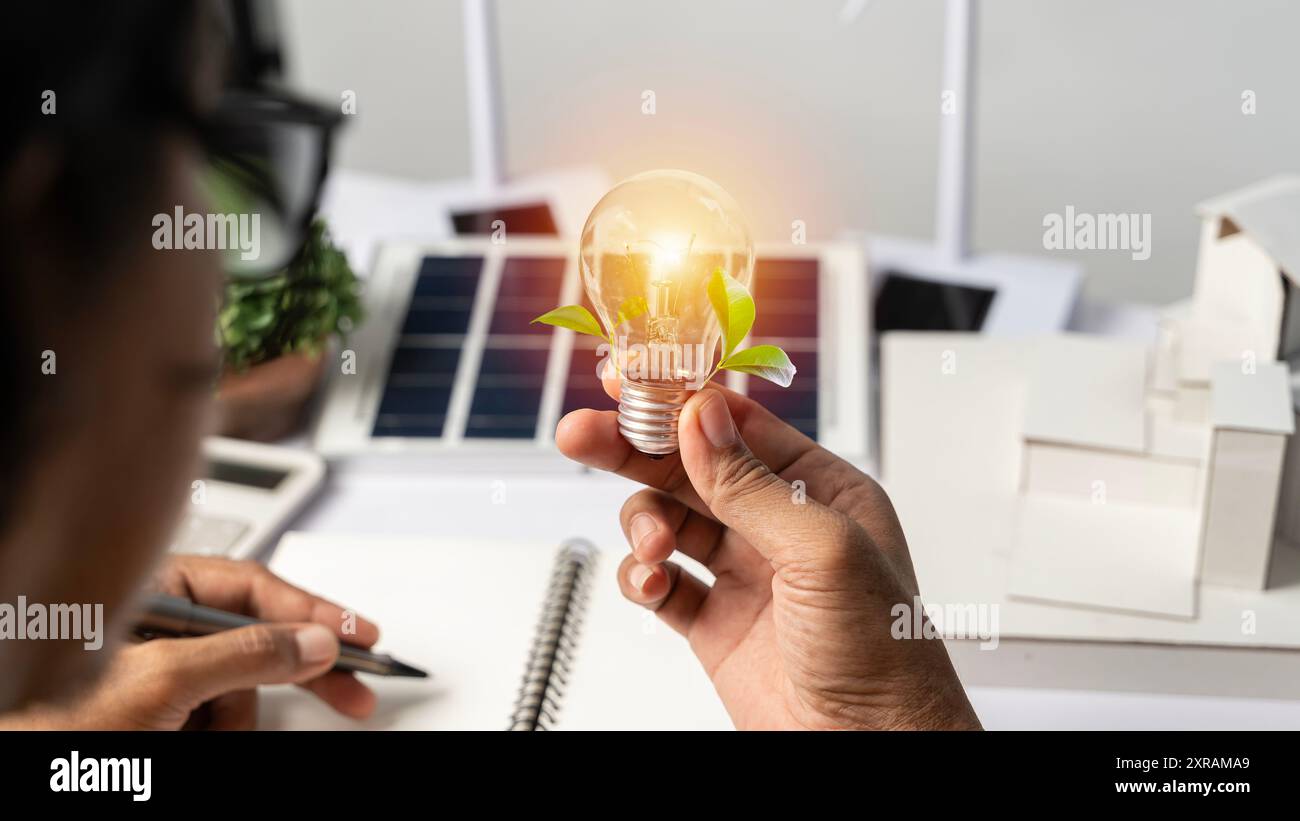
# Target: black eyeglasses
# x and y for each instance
(268, 156)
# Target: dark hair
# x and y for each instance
(93, 87)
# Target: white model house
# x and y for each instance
(1148, 471)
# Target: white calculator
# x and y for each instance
(246, 498)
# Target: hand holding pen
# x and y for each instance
(211, 681)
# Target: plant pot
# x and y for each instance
(269, 400)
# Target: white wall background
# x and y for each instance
(1106, 105)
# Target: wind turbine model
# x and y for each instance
(366, 209)
(1032, 294)
(483, 86)
(489, 197)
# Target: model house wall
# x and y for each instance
(1251, 419)
(1186, 443)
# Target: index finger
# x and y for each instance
(249, 588)
(592, 438)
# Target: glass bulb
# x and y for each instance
(649, 249)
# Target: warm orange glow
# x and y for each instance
(648, 250)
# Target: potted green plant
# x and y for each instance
(273, 333)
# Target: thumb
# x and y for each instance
(205, 667)
(745, 495)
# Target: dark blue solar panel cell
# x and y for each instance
(585, 362)
(512, 364)
(530, 286)
(417, 391)
(408, 360)
(796, 404)
(786, 293)
(406, 400)
(508, 394)
(501, 427)
(805, 364)
(582, 389)
(448, 276)
(797, 409)
(421, 426)
(412, 410)
(443, 297)
(438, 315)
(507, 401)
(786, 319)
(788, 403)
(587, 397)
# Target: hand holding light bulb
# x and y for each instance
(796, 630)
(667, 261)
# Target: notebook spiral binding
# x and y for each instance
(555, 642)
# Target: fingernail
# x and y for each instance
(639, 575)
(715, 419)
(643, 524)
(315, 644)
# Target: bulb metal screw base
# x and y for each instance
(647, 415)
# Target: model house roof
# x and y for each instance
(1269, 212)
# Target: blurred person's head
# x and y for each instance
(106, 344)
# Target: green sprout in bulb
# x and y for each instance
(735, 310)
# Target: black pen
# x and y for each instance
(176, 616)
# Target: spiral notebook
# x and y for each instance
(516, 636)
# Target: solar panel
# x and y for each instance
(457, 365)
(443, 296)
(422, 370)
(508, 389)
(786, 293)
(507, 394)
(512, 371)
(582, 388)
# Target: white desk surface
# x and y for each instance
(1021, 685)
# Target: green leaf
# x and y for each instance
(261, 320)
(573, 317)
(734, 308)
(631, 308)
(765, 361)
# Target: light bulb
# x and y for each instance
(648, 250)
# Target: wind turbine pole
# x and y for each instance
(483, 85)
(956, 132)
